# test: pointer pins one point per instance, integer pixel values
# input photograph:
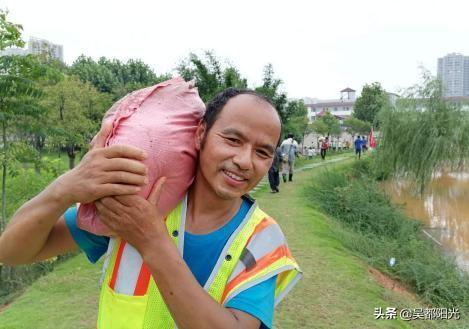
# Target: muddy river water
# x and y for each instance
(444, 209)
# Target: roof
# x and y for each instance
(346, 90)
(330, 104)
(340, 117)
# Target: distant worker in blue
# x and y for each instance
(358, 146)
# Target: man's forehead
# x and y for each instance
(250, 106)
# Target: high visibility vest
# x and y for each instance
(255, 252)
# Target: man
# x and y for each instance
(324, 147)
(228, 275)
(289, 149)
(358, 146)
(274, 171)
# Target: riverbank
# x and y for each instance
(339, 290)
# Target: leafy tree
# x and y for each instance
(115, 77)
(327, 125)
(98, 75)
(209, 74)
(10, 33)
(18, 94)
(356, 126)
(271, 89)
(296, 118)
(372, 100)
(75, 109)
(424, 134)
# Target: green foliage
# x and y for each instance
(372, 100)
(74, 112)
(296, 119)
(209, 74)
(271, 88)
(423, 134)
(10, 33)
(327, 125)
(378, 230)
(356, 126)
(115, 77)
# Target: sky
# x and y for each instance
(317, 48)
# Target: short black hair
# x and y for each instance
(290, 135)
(216, 105)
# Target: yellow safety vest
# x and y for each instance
(255, 252)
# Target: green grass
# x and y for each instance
(337, 290)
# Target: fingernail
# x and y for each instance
(146, 180)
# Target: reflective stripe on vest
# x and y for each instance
(255, 252)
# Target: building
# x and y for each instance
(341, 108)
(453, 71)
(37, 46)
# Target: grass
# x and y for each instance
(337, 290)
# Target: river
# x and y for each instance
(444, 209)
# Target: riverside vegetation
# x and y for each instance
(378, 230)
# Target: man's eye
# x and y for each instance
(263, 154)
(233, 140)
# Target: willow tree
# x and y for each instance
(423, 134)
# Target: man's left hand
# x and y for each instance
(133, 218)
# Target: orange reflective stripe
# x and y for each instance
(260, 265)
(143, 281)
(267, 221)
(116, 264)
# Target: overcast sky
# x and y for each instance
(317, 47)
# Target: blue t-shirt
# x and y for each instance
(200, 253)
(358, 144)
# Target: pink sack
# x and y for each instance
(161, 120)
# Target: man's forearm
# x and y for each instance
(30, 226)
(190, 305)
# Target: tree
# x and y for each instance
(327, 125)
(209, 74)
(355, 126)
(372, 100)
(115, 77)
(424, 134)
(75, 109)
(10, 33)
(18, 94)
(296, 118)
(271, 89)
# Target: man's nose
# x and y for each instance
(243, 158)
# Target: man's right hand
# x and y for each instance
(105, 171)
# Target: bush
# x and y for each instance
(378, 230)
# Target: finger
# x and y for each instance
(128, 200)
(112, 204)
(124, 151)
(156, 191)
(99, 140)
(124, 177)
(105, 214)
(128, 165)
(118, 189)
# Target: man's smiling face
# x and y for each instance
(238, 150)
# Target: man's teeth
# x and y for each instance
(235, 177)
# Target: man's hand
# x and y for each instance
(135, 219)
(114, 170)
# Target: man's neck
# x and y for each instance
(206, 211)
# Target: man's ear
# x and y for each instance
(199, 136)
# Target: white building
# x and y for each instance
(37, 46)
(453, 71)
(341, 108)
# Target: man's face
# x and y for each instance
(238, 150)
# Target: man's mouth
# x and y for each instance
(234, 176)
